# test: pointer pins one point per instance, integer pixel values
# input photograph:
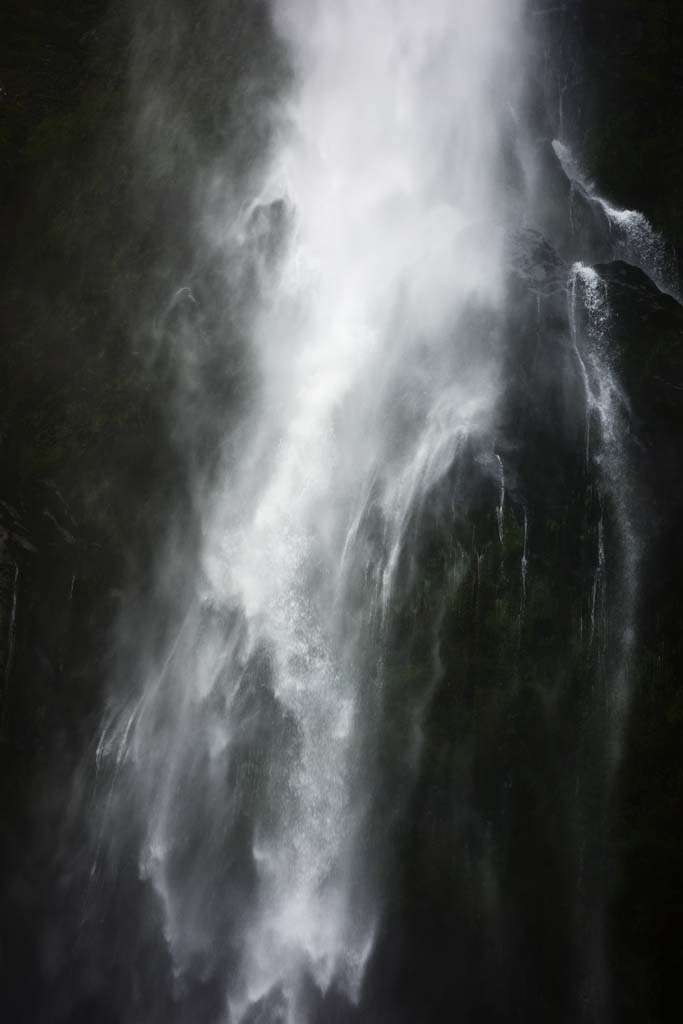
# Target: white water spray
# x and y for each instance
(376, 342)
(634, 239)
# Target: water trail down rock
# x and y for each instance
(500, 509)
(524, 569)
(607, 438)
(612, 609)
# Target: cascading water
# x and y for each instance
(361, 690)
(376, 342)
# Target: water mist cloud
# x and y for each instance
(372, 252)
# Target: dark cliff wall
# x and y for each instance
(618, 87)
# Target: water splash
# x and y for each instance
(633, 237)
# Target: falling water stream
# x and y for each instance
(374, 339)
(372, 251)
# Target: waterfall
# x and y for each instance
(357, 642)
(340, 558)
(374, 244)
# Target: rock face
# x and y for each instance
(647, 840)
(519, 827)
